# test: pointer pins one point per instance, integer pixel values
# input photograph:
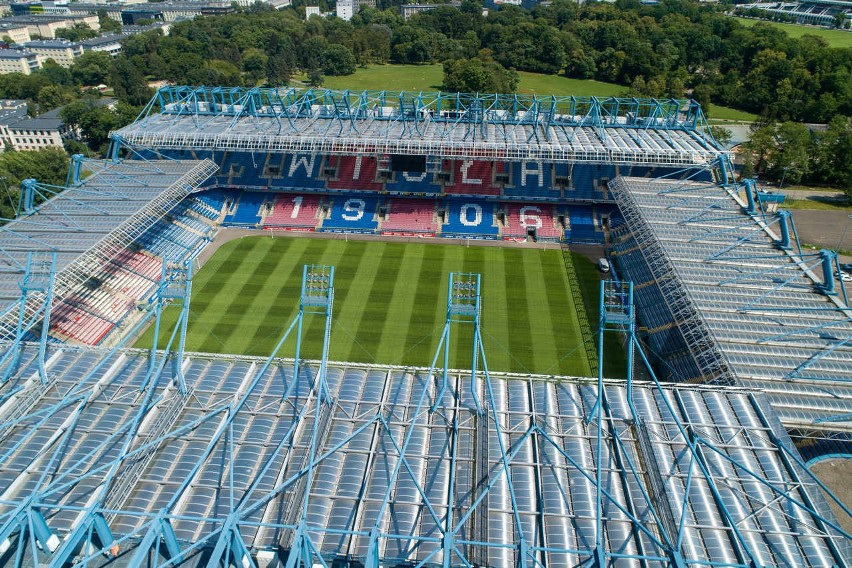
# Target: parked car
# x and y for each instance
(845, 276)
(603, 265)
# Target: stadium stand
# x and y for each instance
(584, 225)
(301, 172)
(686, 475)
(543, 220)
(413, 182)
(409, 216)
(531, 180)
(247, 210)
(469, 218)
(352, 213)
(470, 177)
(354, 172)
(294, 211)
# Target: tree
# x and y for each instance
(78, 32)
(128, 83)
(55, 73)
(254, 64)
(53, 96)
(91, 68)
(721, 134)
(107, 24)
(476, 75)
(338, 60)
(315, 78)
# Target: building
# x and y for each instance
(348, 8)
(109, 43)
(17, 33)
(173, 11)
(345, 9)
(22, 132)
(28, 133)
(17, 61)
(62, 51)
(312, 11)
(164, 28)
(409, 10)
(46, 25)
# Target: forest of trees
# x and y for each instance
(676, 48)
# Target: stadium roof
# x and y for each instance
(762, 305)
(513, 127)
(89, 223)
(238, 466)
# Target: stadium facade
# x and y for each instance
(122, 456)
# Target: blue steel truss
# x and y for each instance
(38, 280)
(175, 287)
(648, 487)
(451, 125)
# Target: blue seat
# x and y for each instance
(413, 182)
(296, 171)
(352, 213)
(582, 225)
(247, 209)
(469, 217)
(530, 179)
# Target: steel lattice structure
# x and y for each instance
(88, 223)
(387, 466)
(753, 307)
(448, 125)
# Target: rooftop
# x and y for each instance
(762, 304)
(89, 223)
(51, 44)
(559, 129)
(15, 54)
(249, 447)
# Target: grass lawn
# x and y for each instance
(429, 78)
(818, 204)
(390, 303)
(835, 38)
(536, 83)
(721, 115)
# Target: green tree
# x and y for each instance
(721, 135)
(315, 78)
(476, 75)
(338, 60)
(128, 83)
(254, 64)
(78, 32)
(53, 96)
(107, 24)
(91, 68)
(55, 73)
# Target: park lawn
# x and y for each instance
(389, 78)
(835, 38)
(538, 84)
(390, 303)
(718, 114)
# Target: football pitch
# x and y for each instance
(390, 303)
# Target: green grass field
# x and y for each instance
(835, 38)
(390, 303)
(430, 77)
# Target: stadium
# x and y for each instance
(397, 350)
